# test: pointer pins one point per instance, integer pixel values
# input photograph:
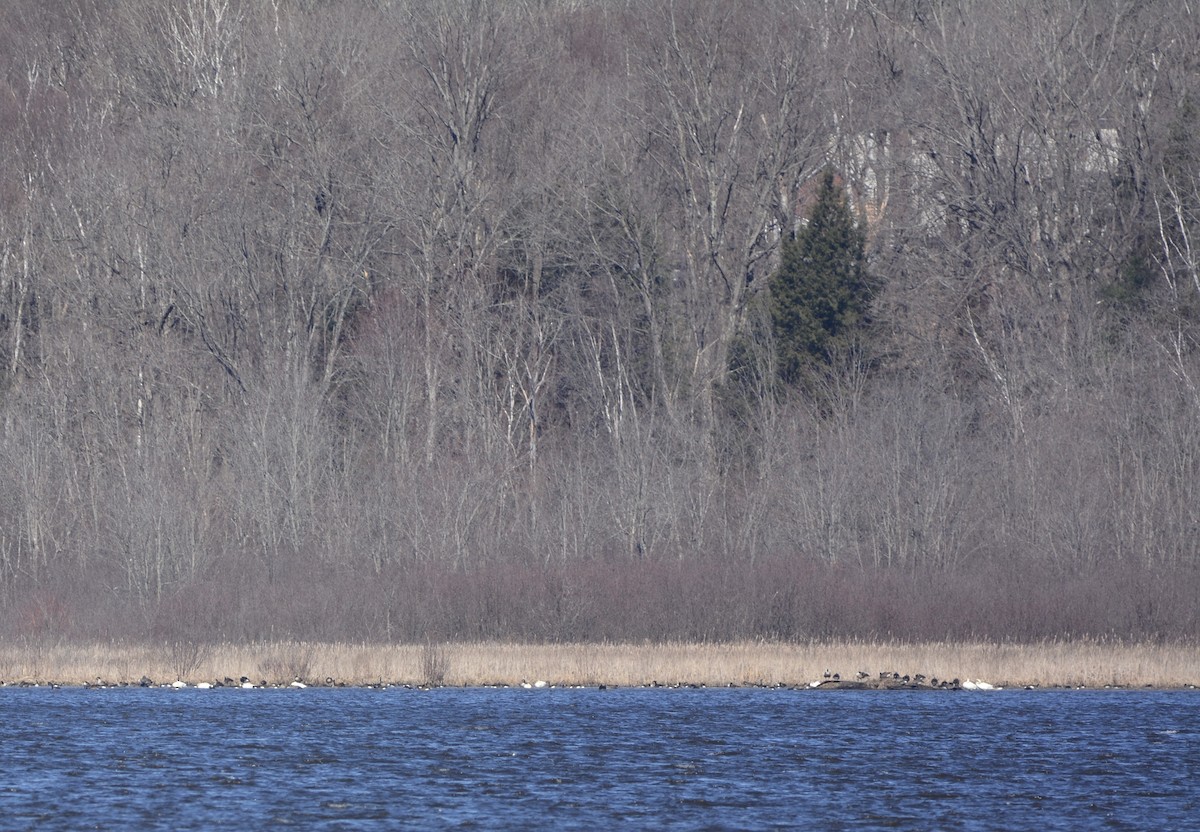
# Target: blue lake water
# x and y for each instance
(588, 759)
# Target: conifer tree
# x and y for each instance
(821, 295)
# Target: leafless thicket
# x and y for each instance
(414, 320)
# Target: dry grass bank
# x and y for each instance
(1087, 663)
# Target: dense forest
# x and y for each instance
(599, 319)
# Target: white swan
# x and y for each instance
(982, 685)
(204, 685)
(179, 683)
(298, 684)
(969, 685)
(539, 684)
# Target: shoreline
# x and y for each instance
(816, 665)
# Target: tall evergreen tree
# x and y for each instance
(821, 295)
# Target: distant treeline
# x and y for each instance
(573, 319)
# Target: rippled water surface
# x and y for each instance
(350, 759)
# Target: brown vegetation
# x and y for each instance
(1091, 664)
(432, 321)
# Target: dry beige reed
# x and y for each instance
(1065, 663)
